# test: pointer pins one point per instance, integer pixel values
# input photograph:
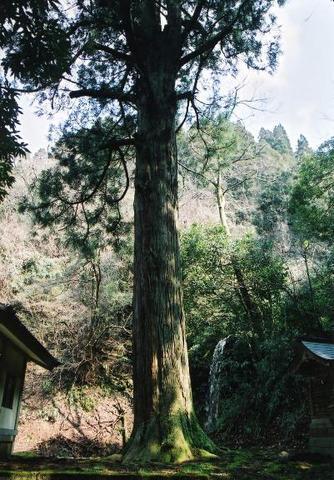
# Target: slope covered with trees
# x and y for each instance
(263, 280)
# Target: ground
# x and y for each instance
(86, 423)
(240, 464)
(83, 422)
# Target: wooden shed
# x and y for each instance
(17, 347)
(315, 361)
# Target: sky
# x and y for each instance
(299, 95)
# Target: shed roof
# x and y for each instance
(13, 329)
(321, 349)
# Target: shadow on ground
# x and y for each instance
(240, 464)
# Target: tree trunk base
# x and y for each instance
(174, 440)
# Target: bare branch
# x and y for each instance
(184, 118)
(197, 174)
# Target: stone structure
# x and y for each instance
(17, 347)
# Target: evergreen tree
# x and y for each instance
(265, 135)
(303, 147)
(277, 139)
(221, 157)
(311, 203)
(11, 144)
(138, 62)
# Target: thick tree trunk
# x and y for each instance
(165, 425)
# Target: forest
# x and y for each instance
(250, 270)
(169, 259)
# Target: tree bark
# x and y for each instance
(221, 201)
(245, 296)
(165, 425)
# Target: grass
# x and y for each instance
(240, 464)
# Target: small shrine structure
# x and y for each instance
(17, 347)
(315, 361)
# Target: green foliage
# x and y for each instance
(202, 254)
(22, 30)
(219, 156)
(116, 41)
(311, 308)
(83, 190)
(214, 310)
(79, 396)
(311, 205)
(303, 147)
(272, 205)
(11, 145)
(217, 146)
(210, 285)
(277, 139)
(262, 401)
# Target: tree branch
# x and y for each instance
(185, 95)
(103, 93)
(210, 44)
(198, 174)
(125, 9)
(193, 22)
(84, 198)
(117, 143)
(113, 52)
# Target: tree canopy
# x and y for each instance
(311, 204)
(100, 49)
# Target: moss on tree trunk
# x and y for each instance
(165, 425)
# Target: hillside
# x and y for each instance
(80, 306)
